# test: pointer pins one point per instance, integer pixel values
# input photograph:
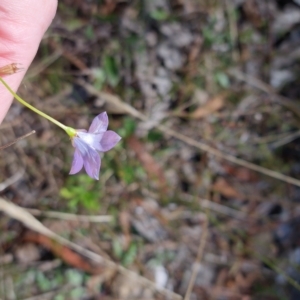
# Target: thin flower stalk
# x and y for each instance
(70, 131)
(88, 144)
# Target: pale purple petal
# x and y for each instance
(90, 156)
(109, 140)
(92, 164)
(77, 163)
(99, 124)
(91, 139)
(88, 143)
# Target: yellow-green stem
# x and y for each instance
(70, 131)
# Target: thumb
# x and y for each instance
(22, 26)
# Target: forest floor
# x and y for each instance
(200, 199)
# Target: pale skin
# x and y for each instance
(22, 26)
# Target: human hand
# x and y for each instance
(22, 26)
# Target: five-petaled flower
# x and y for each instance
(88, 144)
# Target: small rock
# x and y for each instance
(281, 77)
(151, 39)
(172, 58)
(161, 276)
(162, 82)
(286, 20)
(27, 253)
(179, 36)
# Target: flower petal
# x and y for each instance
(92, 164)
(109, 140)
(77, 163)
(91, 158)
(91, 139)
(99, 124)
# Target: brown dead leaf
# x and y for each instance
(251, 9)
(67, 255)
(95, 282)
(224, 188)
(212, 105)
(241, 174)
(108, 7)
(151, 166)
(246, 281)
(124, 219)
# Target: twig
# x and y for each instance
(285, 140)
(266, 88)
(18, 139)
(202, 146)
(10, 294)
(205, 203)
(11, 180)
(289, 279)
(274, 138)
(198, 260)
(70, 217)
(52, 294)
(252, 81)
(229, 157)
(233, 31)
(44, 64)
(20, 214)
(44, 296)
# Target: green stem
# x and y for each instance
(70, 131)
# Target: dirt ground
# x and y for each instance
(200, 199)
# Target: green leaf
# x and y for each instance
(154, 136)
(117, 248)
(77, 293)
(73, 24)
(43, 282)
(111, 70)
(99, 76)
(65, 193)
(159, 14)
(129, 127)
(74, 277)
(130, 255)
(128, 174)
(222, 79)
(82, 190)
(89, 32)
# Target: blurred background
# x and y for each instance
(222, 75)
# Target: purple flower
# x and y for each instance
(88, 144)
